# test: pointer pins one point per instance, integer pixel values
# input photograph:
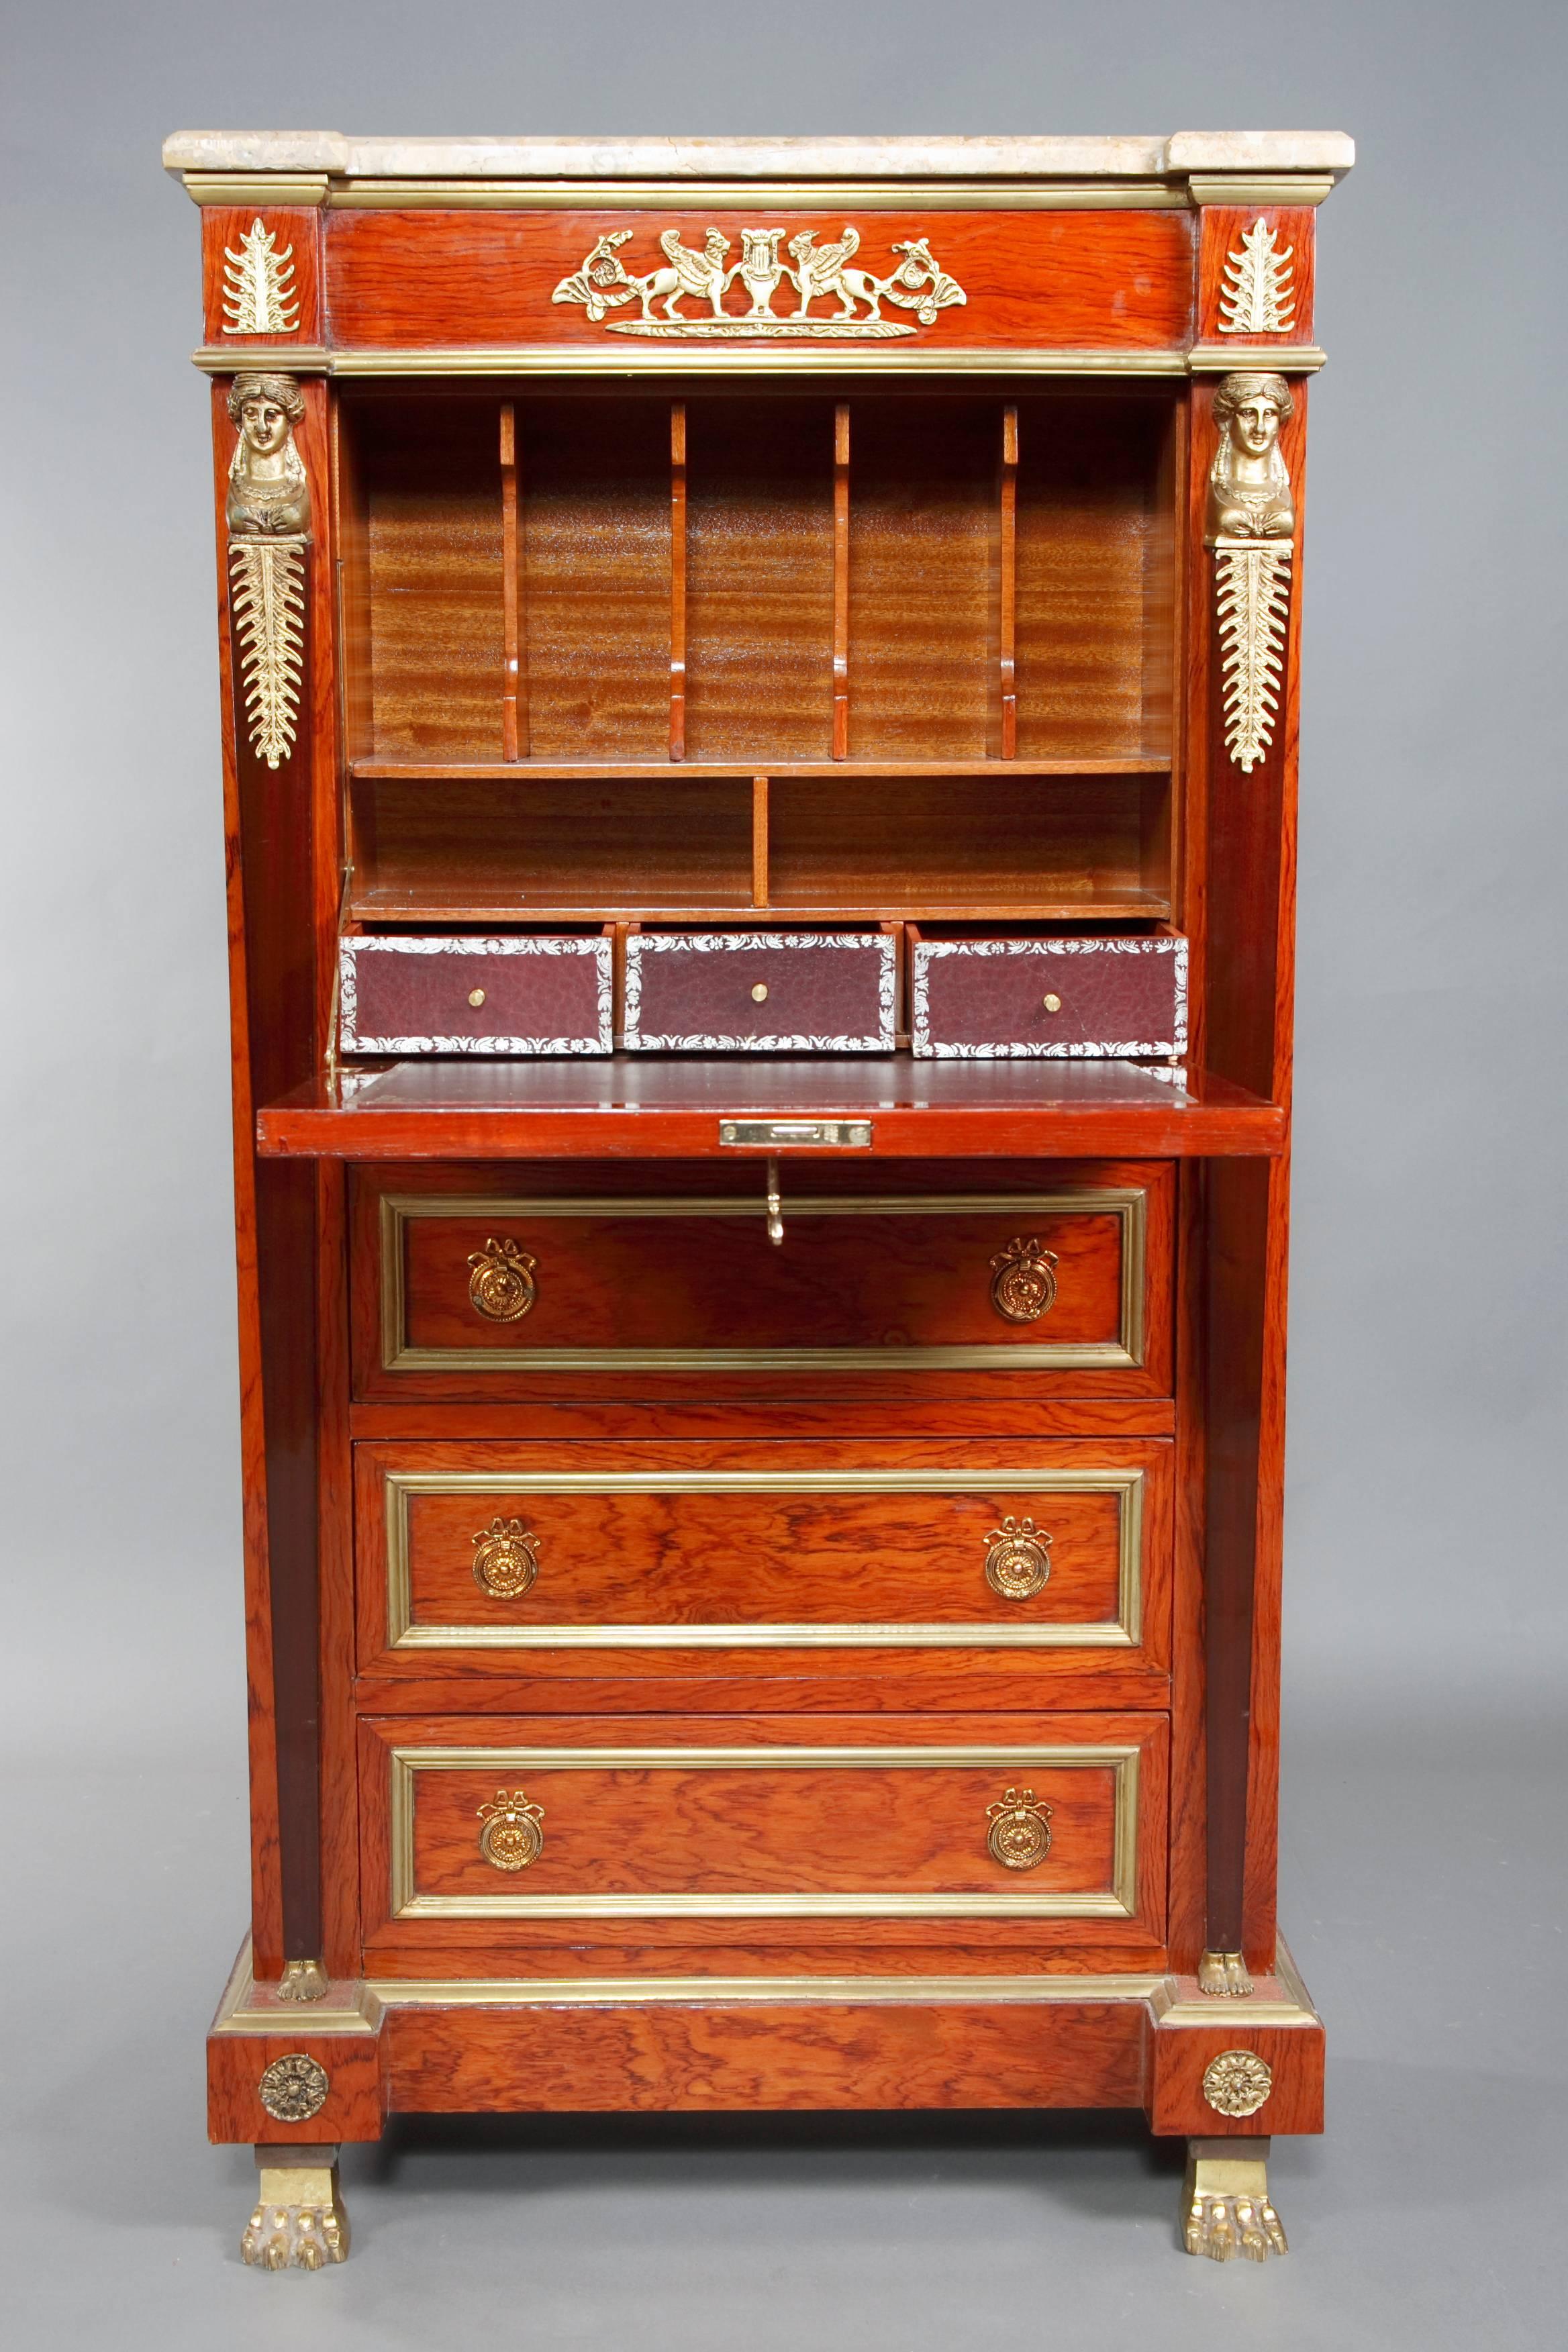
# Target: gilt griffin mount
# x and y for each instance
(816, 273)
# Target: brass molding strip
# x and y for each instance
(259, 188)
(691, 360)
(675, 196)
(1284, 359)
(1242, 188)
(301, 359)
(728, 1992)
(1119, 1902)
(1122, 1632)
(1129, 1204)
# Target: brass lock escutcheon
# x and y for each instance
(506, 1558)
(1019, 1837)
(1018, 1564)
(511, 1837)
(502, 1287)
(1023, 1281)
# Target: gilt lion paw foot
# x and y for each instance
(295, 2237)
(1223, 2226)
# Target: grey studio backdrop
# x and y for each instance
(1422, 1879)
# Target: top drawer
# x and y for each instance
(492, 1289)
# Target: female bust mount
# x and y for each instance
(1249, 490)
(269, 494)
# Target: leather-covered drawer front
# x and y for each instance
(1052, 998)
(655, 1825)
(489, 1292)
(761, 991)
(541, 992)
(472, 1557)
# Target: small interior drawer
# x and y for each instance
(534, 993)
(1054, 998)
(761, 992)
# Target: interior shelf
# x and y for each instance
(659, 1107)
(665, 770)
(387, 906)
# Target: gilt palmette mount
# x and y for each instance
(812, 273)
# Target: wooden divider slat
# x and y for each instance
(677, 580)
(514, 706)
(841, 580)
(1007, 631)
(760, 841)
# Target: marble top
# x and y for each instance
(1322, 153)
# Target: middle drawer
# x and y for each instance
(470, 1551)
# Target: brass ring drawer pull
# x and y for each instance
(506, 1558)
(1019, 1837)
(1018, 1564)
(502, 1287)
(1023, 1281)
(511, 1837)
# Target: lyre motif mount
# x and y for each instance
(511, 1837)
(259, 286)
(1023, 1281)
(1018, 1564)
(915, 283)
(506, 1558)
(1019, 1837)
(502, 1287)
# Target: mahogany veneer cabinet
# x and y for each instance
(759, 718)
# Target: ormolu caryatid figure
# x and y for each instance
(268, 491)
(268, 512)
(1249, 490)
(1251, 526)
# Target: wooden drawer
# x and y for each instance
(471, 1556)
(460, 1290)
(1061, 999)
(541, 992)
(761, 992)
(664, 1824)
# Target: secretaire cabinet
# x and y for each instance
(760, 689)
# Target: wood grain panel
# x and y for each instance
(702, 2058)
(871, 1280)
(1094, 552)
(923, 580)
(595, 535)
(433, 537)
(930, 846)
(1117, 281)
(759, 573)
(659, 1832)
(528, 844)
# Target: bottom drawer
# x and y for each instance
(664, 1824)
